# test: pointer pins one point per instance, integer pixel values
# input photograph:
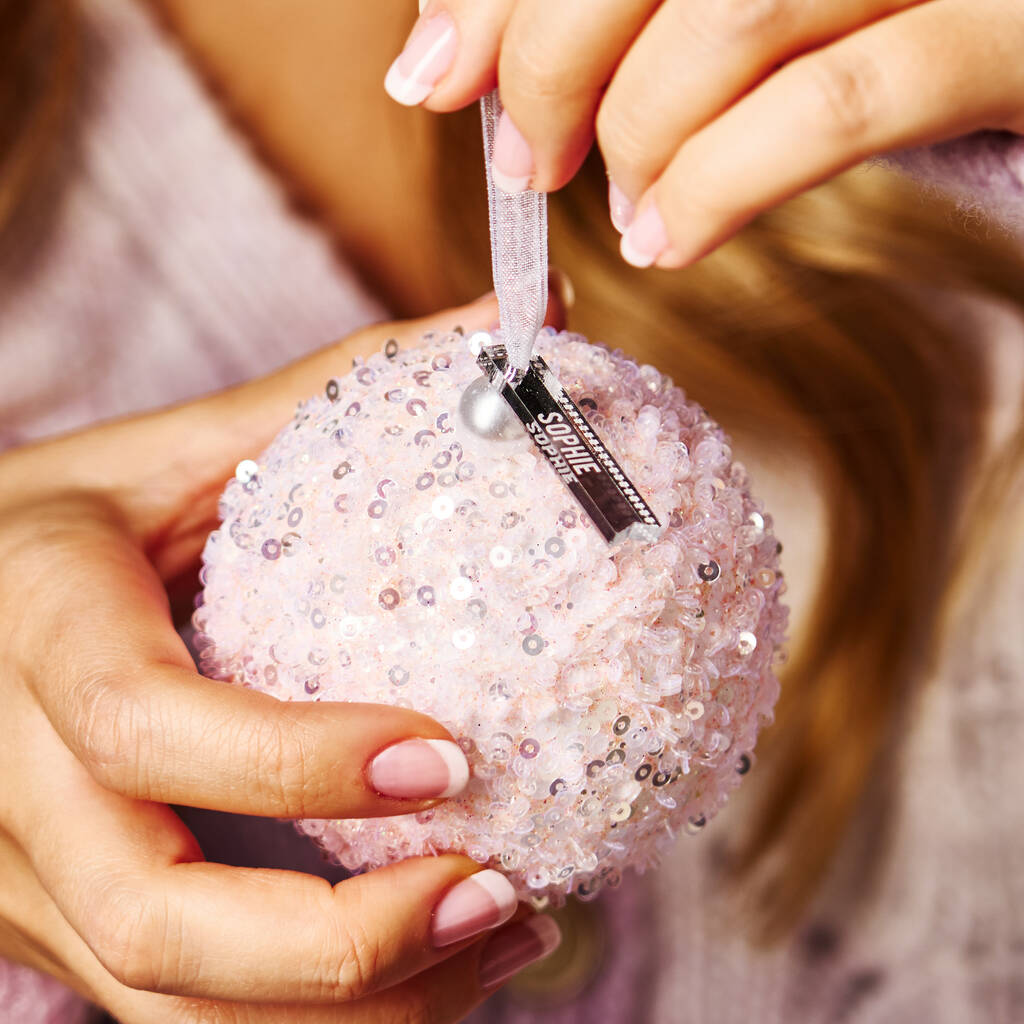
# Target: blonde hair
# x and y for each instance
(37, 75)
(818, 327)
(814, 328)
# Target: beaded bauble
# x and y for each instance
(606, 698)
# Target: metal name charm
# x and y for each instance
(571, 447)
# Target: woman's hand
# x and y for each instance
(708, 112)
(105, 721)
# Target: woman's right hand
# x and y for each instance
(105, 722)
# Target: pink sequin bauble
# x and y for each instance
(606, 698)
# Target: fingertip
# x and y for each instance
(456, 764)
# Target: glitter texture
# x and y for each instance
(607, 698)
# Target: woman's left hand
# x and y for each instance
(708, 112)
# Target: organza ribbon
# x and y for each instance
(519, 251)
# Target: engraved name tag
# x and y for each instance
(572, 448)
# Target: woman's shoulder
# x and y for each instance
(172, 262)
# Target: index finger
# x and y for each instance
(907, 80)
(119, 688)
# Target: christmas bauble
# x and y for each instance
(387, 548)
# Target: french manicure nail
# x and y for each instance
(428, 54)
(419, 769)
(482, 901)
(645, 238)
(620, 207)
(516, 947)
(512, 165)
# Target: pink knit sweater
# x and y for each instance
(172, 266)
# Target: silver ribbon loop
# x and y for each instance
(519, 251)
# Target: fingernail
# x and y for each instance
(419, 769)
(428, 54)
(620, 207)
(516, 947)
(482, 901)
(512, 166)
(645, 239)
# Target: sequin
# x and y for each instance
(621, 725)
(391, 348)
(620, 812)
(376, 509)
(341, 504)
(350, 627)
(460, 588)
(443, 507)
(441, 362)
(533, 644)
(295, 517)
(342, 470)
(441, 459)
(384, 556)
(709, 571)
(397, 675)
(567, 519)
(477, 341)
(332, 390)
(424, 480)
(498, 489)
(463, 639)
(529, 748)
(555, 547)
(353, 409)
(246, 470)
(447, 479)
(643, 773)
(271, 549)
(743, 764)
(415, 407)
(746, 643)
(557, 787)
(500, 556)
(423, 437)
(661, 779)
(693, 709)
(395, 395)
(312, 685)
(389, 598)
(318, 619)
(425, 596)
